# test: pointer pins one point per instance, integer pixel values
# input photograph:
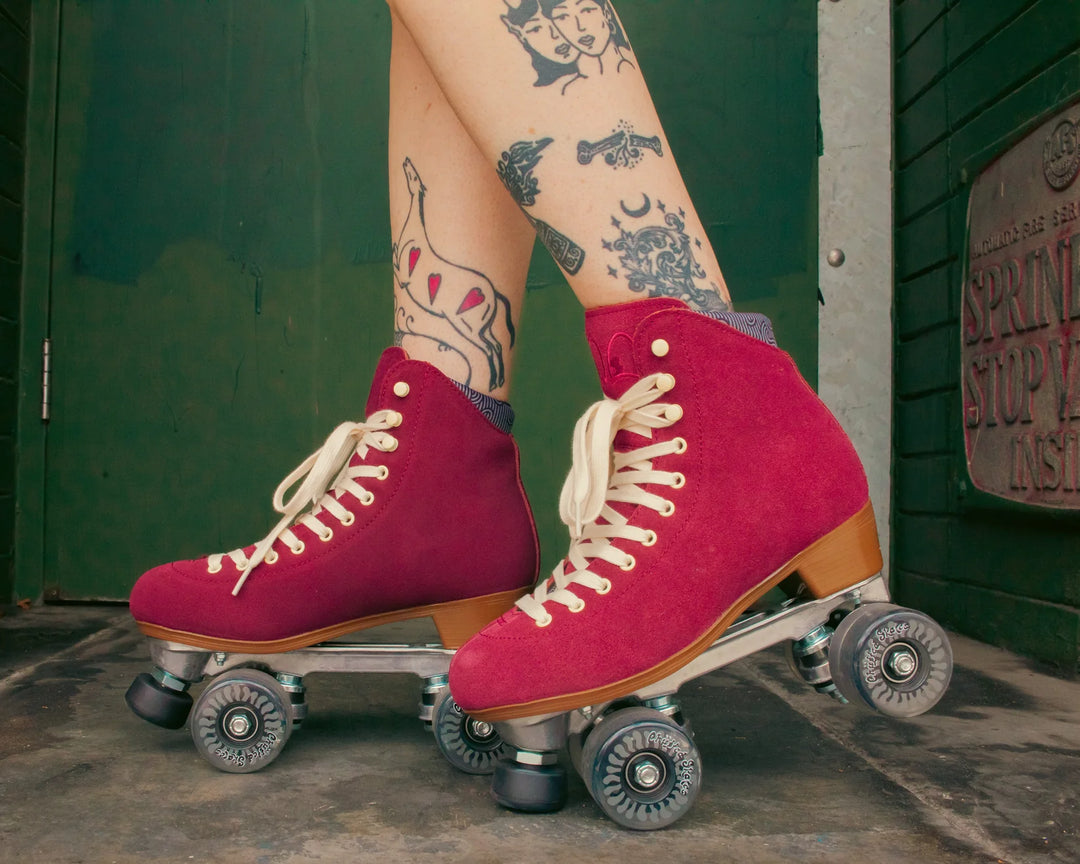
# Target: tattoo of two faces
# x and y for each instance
(567, 40)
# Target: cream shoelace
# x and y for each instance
(597, 477)
(325, 474)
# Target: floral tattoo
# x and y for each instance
(658, 260)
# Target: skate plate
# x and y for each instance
(637, 755)
(254, 702)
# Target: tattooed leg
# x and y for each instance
(461, 246)
(552, 94)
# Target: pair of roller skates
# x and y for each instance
(715, 508)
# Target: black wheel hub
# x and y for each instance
(239, 724)
(646, 775)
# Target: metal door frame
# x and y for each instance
(855, 213)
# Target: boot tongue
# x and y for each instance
(390, 358)
(610, 331)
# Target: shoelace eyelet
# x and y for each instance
(651, 539)
(669, 509)
(327, 535)
(368, 499)
(401, 389)
(680, 480)
(389, 442)
(213, 568)
(384, 472)
(271, 557)
(543, 622)
(298, 549)
(680, 445)
(629, 564)
(349, 518)
(605, 587)
(577, 607)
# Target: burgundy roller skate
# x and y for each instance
(418, 511)
(710, 475)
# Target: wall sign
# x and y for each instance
(1021, 320)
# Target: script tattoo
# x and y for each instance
(515, 170)
(621, 149)
(658, 260)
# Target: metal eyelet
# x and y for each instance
(327, 535)
(367, 499)
(680, 480)
(660, 347)
(577, 607)
(673, 413)
(543, 622)
(680, 445)
(666, 382)
(669, 509)
(401, 389)
(605, 587)
(298, 549)
(213, 568)
(395, 419)
(384, 472)
(651, 539)
(350, 517)
(389, 443)
(629, 564)
(271, 557)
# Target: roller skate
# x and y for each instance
(368, 537)
(715, 508)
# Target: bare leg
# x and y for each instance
(461, 245)
(551, 94)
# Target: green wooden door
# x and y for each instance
(220, 278)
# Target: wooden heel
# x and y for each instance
(843, 557)
(457, 622)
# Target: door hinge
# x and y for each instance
(46, 377)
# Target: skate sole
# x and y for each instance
(456, 622)
(844, 557)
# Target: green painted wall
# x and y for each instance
(14, 71)
(219, 283)
(971, 77)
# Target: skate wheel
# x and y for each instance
(241, 721)
(467, 744)
(894, 660)
(642, 768)
(156, 704)
(529, 788)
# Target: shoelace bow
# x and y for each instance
(323, 476)
(597, 477)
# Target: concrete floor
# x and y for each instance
(991, 775)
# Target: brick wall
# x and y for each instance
(14, 55)
(970, 76)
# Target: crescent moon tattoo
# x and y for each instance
(641, 211)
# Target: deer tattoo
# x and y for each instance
(461, 296)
